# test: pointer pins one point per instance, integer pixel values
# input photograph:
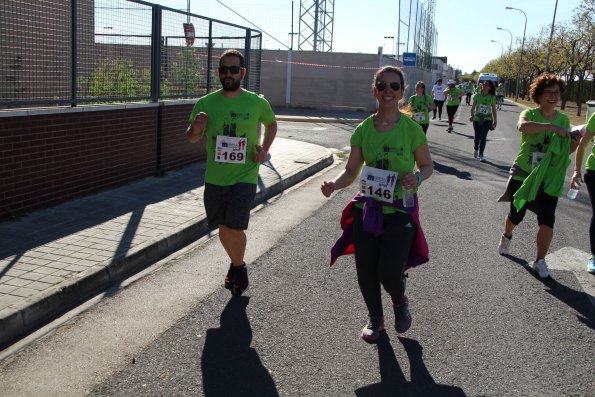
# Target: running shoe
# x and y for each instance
(373, 329)
(236, 279)
(504, 246)
(482, 159)
(540, 267)
(475, 154)
(591, 265)
(402, 315)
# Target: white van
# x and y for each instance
(487, 76)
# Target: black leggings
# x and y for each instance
(438, 107)
(381, 260)
(481, 135)
(451, 110)
(590, 181)
(468, 99)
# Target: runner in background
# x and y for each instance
(420, 105)
(484, 117)
(439, 97)
(453, 100)
(499, 96)
(468, 92)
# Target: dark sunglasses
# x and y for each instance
(233, 69)
(381, 86)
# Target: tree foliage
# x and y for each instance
(571, 55)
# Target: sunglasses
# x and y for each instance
(233, 69)
(381, 86)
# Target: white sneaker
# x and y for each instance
(540, 267)
(503, 247)
(482, 159)
(475, 154)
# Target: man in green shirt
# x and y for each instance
(230, 119)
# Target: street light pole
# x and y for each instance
(393, 45)
(518, 75)
(549, 46)
(501, 45)
(510, 33)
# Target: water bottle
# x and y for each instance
(572, 193)
(408, 198)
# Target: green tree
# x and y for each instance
(117, 78)
(187, 74)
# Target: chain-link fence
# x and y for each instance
(98, 51)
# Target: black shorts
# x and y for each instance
(544, 206)
(229, 205)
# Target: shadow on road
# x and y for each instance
(230, 367)
(445, 169)
(393, 381)
(578, 300)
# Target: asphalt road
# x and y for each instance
(483, 325)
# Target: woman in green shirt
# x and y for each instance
(589, 180)
(420, 105)
(545, 134)
(453, 100)
(483, 116)
(393, 152)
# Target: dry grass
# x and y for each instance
(570, 110)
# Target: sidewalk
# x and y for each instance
(53, 259)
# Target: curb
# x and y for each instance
(34, 313)
(313, 119)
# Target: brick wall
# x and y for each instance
(47, 158)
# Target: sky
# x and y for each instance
(465, 27)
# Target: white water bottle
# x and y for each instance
(572, 193)
(408, 198)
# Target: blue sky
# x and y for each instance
(465, 27)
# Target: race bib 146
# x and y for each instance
(378, 184)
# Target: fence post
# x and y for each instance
(156, 53)
(73, 52)
(156, 79)
(210, 56)
(247, 43)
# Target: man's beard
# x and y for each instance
(230, 84)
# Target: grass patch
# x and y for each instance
(570, 110)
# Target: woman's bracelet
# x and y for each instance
(419, 178)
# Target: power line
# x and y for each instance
(253, 24)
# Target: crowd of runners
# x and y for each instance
(390, 161)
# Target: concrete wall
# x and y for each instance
(322, 80)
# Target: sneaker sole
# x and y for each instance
(372, 338)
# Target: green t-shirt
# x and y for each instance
(536, 142)
(233, 117)
(500, 90)
(418, 106)
(483, 107)
(469, 89)
(453, 97)
(391, 150)
(591, 159)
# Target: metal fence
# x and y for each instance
(98, 51)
